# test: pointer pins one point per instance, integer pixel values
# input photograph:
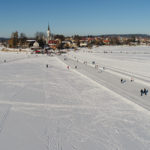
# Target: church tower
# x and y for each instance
(48, 34)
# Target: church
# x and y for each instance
(49, 36)
(50, 39)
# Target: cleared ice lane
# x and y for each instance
(129, 90)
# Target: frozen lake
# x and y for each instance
(60, 109)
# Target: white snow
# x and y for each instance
(56, 108)
(134, 60)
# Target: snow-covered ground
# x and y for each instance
(56, 108)
(14, 56)
(134, 60)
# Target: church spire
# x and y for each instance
(48, 27)
(48, 34)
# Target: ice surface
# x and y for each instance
(56, 108)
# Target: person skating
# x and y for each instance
(145, 91)
(142, 92)
(132, 79)
(121, 80)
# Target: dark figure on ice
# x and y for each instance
(121, 80)
(142, 92)
(75, 67)
(132, 79)
(93, 62)
(145, 91)
(96, 66)
(46, 65)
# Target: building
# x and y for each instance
(49, 36)
(83, 43)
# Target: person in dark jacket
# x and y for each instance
(142, 92)
(145, 91)
(121, 80)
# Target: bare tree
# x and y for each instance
(22, 39)
(40, 38)
(14, 40)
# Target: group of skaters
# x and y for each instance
(85, 62)
(144, 91)
(122, 80)
(68, 67)
(65, 58)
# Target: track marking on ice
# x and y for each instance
(9, 60)
(128, 77)
(120, 73)
(6, 113)
(128, 101)
(45, 106)
(4, 117)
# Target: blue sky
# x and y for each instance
(71, 17)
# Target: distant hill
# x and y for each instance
(127, 35)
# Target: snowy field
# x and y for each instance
(134, 60)
(13, 56)
(59, 109)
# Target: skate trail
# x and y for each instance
(120, 72)
(9, 60)
(129, 90)
(9, 105)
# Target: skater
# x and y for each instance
(100, 70)
(96, 66)
(75, 67)
(68, 67)
(145, 91)
(132, 79)
(142, 92)
(46, 65)
(93, 62)
(85, 62)
(121, 80)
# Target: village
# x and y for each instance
(55, 43)
(74, 75)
